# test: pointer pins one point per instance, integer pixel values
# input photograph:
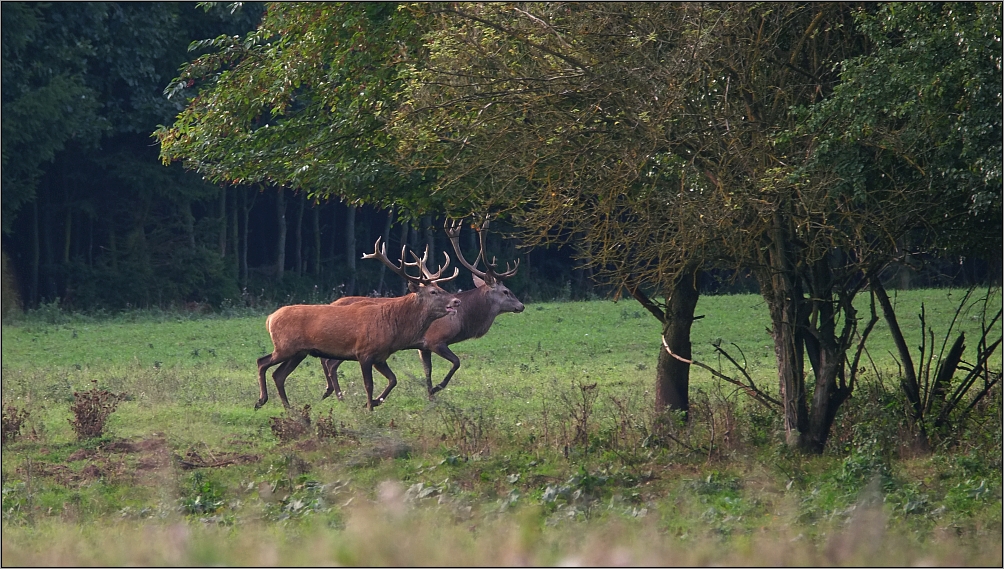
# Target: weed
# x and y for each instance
(308, 498)
(15, 501)
(288, 429)
(466, 431)
(579, 405)
(326, 428)
(91, 410)
(13, 420)
(204, 496)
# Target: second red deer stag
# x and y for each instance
(366, 332)
(474, 317)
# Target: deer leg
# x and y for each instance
(264, 363)
(444, 351)
(367, 369)
(282, 372)
(384, 369)
(330, 367)
(426, 357)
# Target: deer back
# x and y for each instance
(360, 329)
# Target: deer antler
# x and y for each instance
(427, 278)
(453, 232)
(429, 275)
(491, 266)
(490, 276)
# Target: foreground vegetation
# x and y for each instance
(543, 450)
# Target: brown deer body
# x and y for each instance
(474, 317)
(366, 332)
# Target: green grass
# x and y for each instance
(495, 470)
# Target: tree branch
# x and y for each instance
(752, 390)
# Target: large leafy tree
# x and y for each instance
(557, 114)
(917, 119)
(660, 138)
(651, 135)
(46, 99)
(922, 110)
(300, 102)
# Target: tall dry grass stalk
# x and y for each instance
(390, 532)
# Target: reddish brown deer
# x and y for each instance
(474, 317)
(366, 332)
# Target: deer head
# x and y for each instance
(490, 279)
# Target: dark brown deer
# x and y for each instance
(366, 332)
(474, 317)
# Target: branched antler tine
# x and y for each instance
(436, 277)
(509, 272)
(419, 263)
(491, 266)
(380, 253)
(453, 232)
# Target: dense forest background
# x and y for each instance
(93, 220)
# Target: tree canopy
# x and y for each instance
(300, 102)
(811, 145)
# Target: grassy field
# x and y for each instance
(542, 450)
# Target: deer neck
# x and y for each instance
(476, 313)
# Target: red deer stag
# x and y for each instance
(475, 315)
(366, 332)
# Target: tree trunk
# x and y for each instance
(235, 234)
(405, 232)
(316, 226)
(186, 212)
(35, 254)
(113, 250)
(350, 248)
(780, 287)
(245, 213)
(223, 222)
(909, 382)
(672, 382)
(67, 235)
(280, 211)
(299, 236)
(826, 356)
(386, 239)
(430, 238)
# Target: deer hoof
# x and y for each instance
(259, 404)
(328, 394)
(340, 396)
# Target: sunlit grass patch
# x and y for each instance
(544, 449)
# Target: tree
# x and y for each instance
(919, 116)
(300, 103)
(683, 121)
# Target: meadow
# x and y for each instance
(544, 449)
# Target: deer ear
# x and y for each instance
(477, 281)
(412, 287)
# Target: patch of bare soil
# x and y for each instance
(193, 459)
(119, 461)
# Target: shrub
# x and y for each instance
(288, 429)
(13, 420)
(91, 410)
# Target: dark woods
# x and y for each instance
(92, 220)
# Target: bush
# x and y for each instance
(91, 410)
(13, 420)
(288, 429)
